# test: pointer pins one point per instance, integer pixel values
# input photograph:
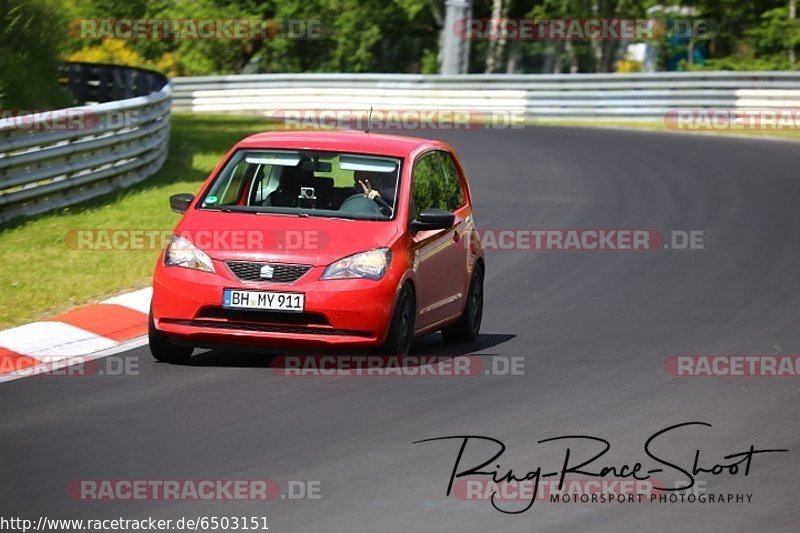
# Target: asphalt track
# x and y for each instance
(594, 329)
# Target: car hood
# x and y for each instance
(281, 238)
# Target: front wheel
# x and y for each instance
(469, 325)
(163, 350)
(401, 329)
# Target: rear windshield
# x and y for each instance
(324, 184)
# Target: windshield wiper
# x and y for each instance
(233, 210)
(327, 217)
(302, 215)
(250, 210)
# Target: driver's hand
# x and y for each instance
(368, 190)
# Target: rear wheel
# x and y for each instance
(401, 329)
(162, 349)
(469, 325)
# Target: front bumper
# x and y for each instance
(187, 307)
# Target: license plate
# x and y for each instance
(292, 302)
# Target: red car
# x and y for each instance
(324, 239)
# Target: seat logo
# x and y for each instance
(266, 272)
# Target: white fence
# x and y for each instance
(625, 96)
(55, 159)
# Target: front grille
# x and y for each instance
(281, 273)
(268, 317)
(268, 328)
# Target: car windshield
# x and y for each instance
(306, 183)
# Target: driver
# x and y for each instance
(377, 186)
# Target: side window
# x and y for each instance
(453, 193)
(427, 185)
(230, 195)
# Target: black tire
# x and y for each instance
(469, 325)
(163, 350)
(401, 330)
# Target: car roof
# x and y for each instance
(341, 141)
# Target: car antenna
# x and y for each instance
(369, 120)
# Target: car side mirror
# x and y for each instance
(180, 202)
(433, 218)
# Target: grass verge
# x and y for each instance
(40, 275)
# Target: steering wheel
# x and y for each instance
(385, 208)
(360, 205)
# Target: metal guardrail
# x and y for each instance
(98, 82)
(58, 158)
(584, 96)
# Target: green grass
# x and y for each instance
(40, 275)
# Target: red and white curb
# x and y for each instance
(78, 335)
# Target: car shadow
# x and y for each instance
(430, 345)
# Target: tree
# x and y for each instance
(32, 37)
(405, 35)
(793, 43)
(496, 46)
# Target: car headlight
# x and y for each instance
(371, 265)
(181, 252)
